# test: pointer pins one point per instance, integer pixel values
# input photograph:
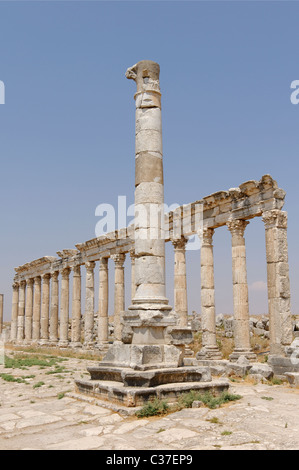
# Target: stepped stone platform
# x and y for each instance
(160, 383)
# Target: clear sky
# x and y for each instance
(67, 126)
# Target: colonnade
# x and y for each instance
(40, 310)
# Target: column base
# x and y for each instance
(63, 344)
(209, 352)
(76, 345)
(44, 342)
(237, 353)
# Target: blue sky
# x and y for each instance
(67, 127)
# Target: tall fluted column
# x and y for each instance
(280, 320)
(14, 311)
(240, 291)
(103, 304)
(21, 311)
(54, 308)
(209, 344)
(133, 284)
(36, 309)
(1, 312)
(76, 307)
(64, 308)
(29, 311)
(89, 304)
(119, 293)
(180, 280)
(45, 310)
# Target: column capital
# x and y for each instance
(179, 243)
(207, 235)
(23, 283)
(37, 280)
(54, 275)
(46, 277)
(119, 259)
(30, 282)
(65, 273)
(103, 263)
(275, 218)
(132, 254)
(77, 270)
(237, 226)
(15, 286)
(90, 265)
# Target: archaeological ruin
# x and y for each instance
(150, 355)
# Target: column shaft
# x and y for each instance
(29, 311)
(21, 311)
(89, 304)
(103, 303)
(119, 293)
(64, 308)
(54, 308)
(180, 281)
(36, 309)
(14, 312)
(76, 307)
(240, 291)
(210, 349)
(45, 309)
(280, 319)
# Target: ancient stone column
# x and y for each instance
(180, 280)
(149, 189)
(240, 291)
(89, 304)
(280, 320)
(76, 308)
(133, 285)
(14, 312)
(45, 309)
(64, 308)
(36, 309)
(209, 344)
(103, 304)
(29, 311)
(119, 293)
(21, 311)
(1, 312)
(54, 308)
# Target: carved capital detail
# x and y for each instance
(237, 226)
(180, 243)
(207, 236)
(119, 259)
(275, 218)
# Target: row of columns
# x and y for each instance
(277, 280)
(35, 315)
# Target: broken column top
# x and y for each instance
(146, 75)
